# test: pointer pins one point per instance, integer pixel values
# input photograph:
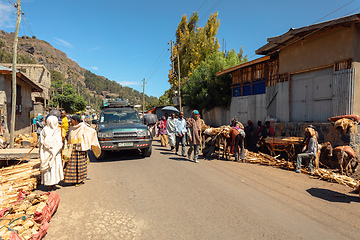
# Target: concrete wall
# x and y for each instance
(22, 121)
(277, 101)
(319, 51)
(216, 117)
(249, 108)
(274, 103)
(36, 73)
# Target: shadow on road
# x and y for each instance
(332, 196)
(180, 158)
(162, 148)
(44, 188)
(117, 156)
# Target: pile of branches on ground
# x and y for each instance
(328, 175)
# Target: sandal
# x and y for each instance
(79, 184)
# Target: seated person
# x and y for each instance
(267, 130)
(310, 149)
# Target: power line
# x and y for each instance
(334, 11)
(211, 9)
(28, 26)
(202, 5)
(11, 2)
(161, 55)
(352, 11)
(158, 66)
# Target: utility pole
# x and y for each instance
(143, 105)
(172, 67)
(179, 83)
(13, 96)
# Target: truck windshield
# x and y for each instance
(119, 116)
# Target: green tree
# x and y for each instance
(193, 44)
(64, 95)
(203, 89)
(56, 76)
(200, 59)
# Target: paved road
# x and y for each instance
(170, 197)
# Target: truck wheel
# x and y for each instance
(102, 156)
(146, 152)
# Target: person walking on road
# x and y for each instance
(180, 133)
(162, 131)
(39, 125)
(81, 139)
(51, 168)
(170, 128)
(64, 124)
(194, 129)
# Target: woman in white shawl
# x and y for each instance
(81, 139)
(170, 127)
(50, 153)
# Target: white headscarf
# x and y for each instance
(51, 143)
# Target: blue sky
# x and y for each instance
(127, 41)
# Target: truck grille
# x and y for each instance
(125, 136)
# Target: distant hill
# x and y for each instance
(91, 86)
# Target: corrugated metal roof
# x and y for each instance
(5, 68)
(279, 41)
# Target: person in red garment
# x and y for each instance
(163, 132)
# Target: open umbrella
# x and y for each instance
(150, 118)
(169, 109)
(55, 113)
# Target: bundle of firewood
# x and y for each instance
(16, 178)
(19, 218)
(334, 177)
(224, 130)
(262, 158)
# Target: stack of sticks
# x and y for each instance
(335, 177)
(15, 178)
(264, 159)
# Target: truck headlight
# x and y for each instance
(105, 134)
(142, 133)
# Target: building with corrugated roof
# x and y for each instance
(307, 75)
(24, 104)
